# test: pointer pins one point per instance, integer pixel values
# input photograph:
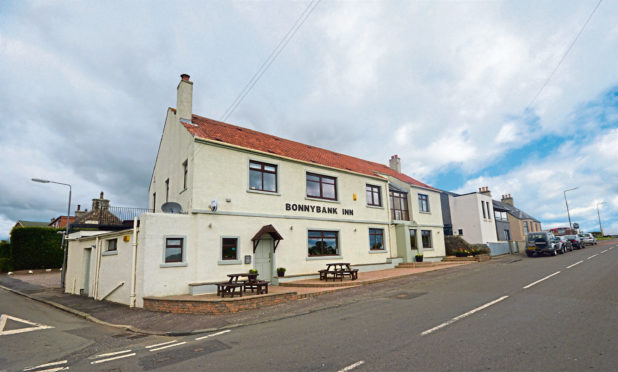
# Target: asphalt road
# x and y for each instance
(515, 313)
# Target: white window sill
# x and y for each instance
(375, 206)
(173, 264)
(377, 251)
(423, 212)
(230, 262)
(264, 192)
(322, 200)
(109, 253)
(316, 258)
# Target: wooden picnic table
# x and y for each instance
(233, 283)
(338, 270)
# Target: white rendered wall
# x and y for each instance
(467, 214)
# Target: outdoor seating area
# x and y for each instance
(235, 286)
(336, 271)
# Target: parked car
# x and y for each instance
(588, 238)
(576, 241)
(541, 242)
(565, 244)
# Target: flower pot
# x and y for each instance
(419, 258)
(280, 273)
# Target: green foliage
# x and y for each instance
(253, 271)
(36, 248)
(281, 269)
(5, 264)
(457, 246)
(5, 249)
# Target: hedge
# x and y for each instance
(453, 243)
(36, 248)
(5, 249)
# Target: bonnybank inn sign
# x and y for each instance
(317, 209)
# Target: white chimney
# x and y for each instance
(395, 163)
(184, 98)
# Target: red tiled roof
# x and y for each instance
(218, 131)
(62, 222)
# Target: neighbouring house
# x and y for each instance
(23, 223)
(249, 200)
(520, 222)
(61, 221)
(470, 215)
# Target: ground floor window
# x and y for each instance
(413, 239)
(507, 234)
(229, 248)
(173, 249)
(112, 245)
(323, 243)
(426, 235)
(376, 239)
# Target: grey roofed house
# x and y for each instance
(514, 211)
(23, 223)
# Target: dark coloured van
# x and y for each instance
(542, 242)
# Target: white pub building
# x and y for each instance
(249, 200)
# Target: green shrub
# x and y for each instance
(5, 264)
(36, 248)
(457, 246)
(5, 249)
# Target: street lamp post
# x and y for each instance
(66, 234)
(599, 214)
(567, 205)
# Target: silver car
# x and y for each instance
(588, 238)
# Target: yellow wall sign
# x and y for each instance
(126, 238)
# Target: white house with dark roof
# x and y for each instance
(250, 200)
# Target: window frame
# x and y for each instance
(108, 243)
(483, 208)
(322, 236)
(423, 207)
(430, 239)
(167, 190)
(321, 183)
(405, 213)
(183, 251)
(262, 170)
(237, 239)
(374, 190)
(373, 233)
(185, 166)
(412, 234)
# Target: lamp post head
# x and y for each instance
(40, 180)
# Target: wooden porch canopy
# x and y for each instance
(267, 229)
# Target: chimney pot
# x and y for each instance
(185, 77)
(78, 206)
(101, 194)
(395, 163)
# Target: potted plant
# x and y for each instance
(253, 271)
(419, 258)
(281, 271)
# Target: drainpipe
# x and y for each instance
(388, 218)
(97, 270)
(134, 264)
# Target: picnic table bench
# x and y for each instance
(338, 271)
(252, 283)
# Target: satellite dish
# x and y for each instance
(213, 205)
(171, 207)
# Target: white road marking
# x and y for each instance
(53, 369)
(212, 335)
(540, 280)
(46, 365)
(352, 366)
(110, 354)
(576, 263)
(604, 251)
(594, 255)
(172, 345)
(113, 358)
(161, 344)
(5, 317)
(463, 316)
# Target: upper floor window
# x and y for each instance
(167, 190)
(500, 215)
(374, 195)
(185, 166)
(399, 205)
(376, 239)
(323, 187)
(525, 227)
(488, 210)
(423, 203)
(262, 176)
(483, 208)
(112, 245)
(154, 201)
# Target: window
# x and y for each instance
(488, 210)
(262, 176)
(376, 239)
(483, 208)
(185, 167)
(413, 239)
(460, 231)
(154, 201)
(173, 249)
(112, 245)
(167, 190)
(426, 236)
(525, 227)
(322, 187)
(507, 234)
(423, 203)
(323, 243)
(374, 195)
(399, 205)
(229, 248)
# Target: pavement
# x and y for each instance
(45, 287)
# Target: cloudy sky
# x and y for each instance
(460, 90)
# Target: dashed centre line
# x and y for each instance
(352, 366)
(604, 251)
(540, 280)
(168, 346)
(56, 369)
(576, 263)
(594, 255)
(51, 364)
(110, 354)
(161, 344)
(112, 358)
(463, 316)
(212, 335)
